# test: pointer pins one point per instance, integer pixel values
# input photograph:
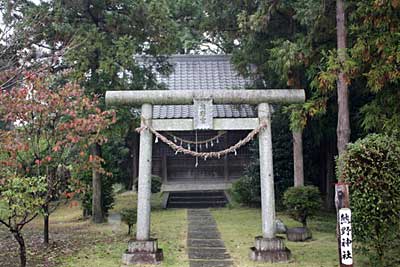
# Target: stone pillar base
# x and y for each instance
(142, 252)
(269, 250)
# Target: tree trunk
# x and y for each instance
(330, 173)
(133, 145)
(86, 213)
(297, 135)
(298, 158)
(97, 207)
(22, 248)
(343, 125)
(46, 224)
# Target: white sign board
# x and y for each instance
(346, 240)
(202, 114)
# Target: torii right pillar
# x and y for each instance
(268, 248)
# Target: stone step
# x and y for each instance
(197, 204)
(198, 193)
(197, 199)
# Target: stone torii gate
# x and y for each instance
(143, 249)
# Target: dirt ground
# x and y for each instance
(68, 234)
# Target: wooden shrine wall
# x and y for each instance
(181, 168)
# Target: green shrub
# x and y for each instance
(246, 190)
(128, 216)
(155, 184)
(302, 202)
(371, 166)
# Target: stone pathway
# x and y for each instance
(205, 247)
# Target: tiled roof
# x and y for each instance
(202, 72)
(186, 111)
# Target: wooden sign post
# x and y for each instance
(344, 230)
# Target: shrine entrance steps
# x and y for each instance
(196, 199)
(205, 247)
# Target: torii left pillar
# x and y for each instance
(143, 249)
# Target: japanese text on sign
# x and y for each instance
(203, 114)
(346, 248)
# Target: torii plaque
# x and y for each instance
(267, 247)
(202, 114)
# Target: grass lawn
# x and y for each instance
(79, 243)
(239, 226)
(169, 226)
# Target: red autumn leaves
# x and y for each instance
(48, 124)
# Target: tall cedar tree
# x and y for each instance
(100, 39)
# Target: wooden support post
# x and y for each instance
(164, 168)
(226, 159)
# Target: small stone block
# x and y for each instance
(298, 234)
(129, 258)
(142, 246)
(280, 227)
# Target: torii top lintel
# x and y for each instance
(184, 97)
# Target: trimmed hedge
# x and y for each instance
(371, 166)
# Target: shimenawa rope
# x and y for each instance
(205, 155)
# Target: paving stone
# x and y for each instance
(204, 235)
(202, 228)
(198, 211)
(205, 247)
(201, 219)
(203, 223)
(208, 253)
(205, 243)
(206, 231)
(207, 263)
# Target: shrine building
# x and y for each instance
(188, 181)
